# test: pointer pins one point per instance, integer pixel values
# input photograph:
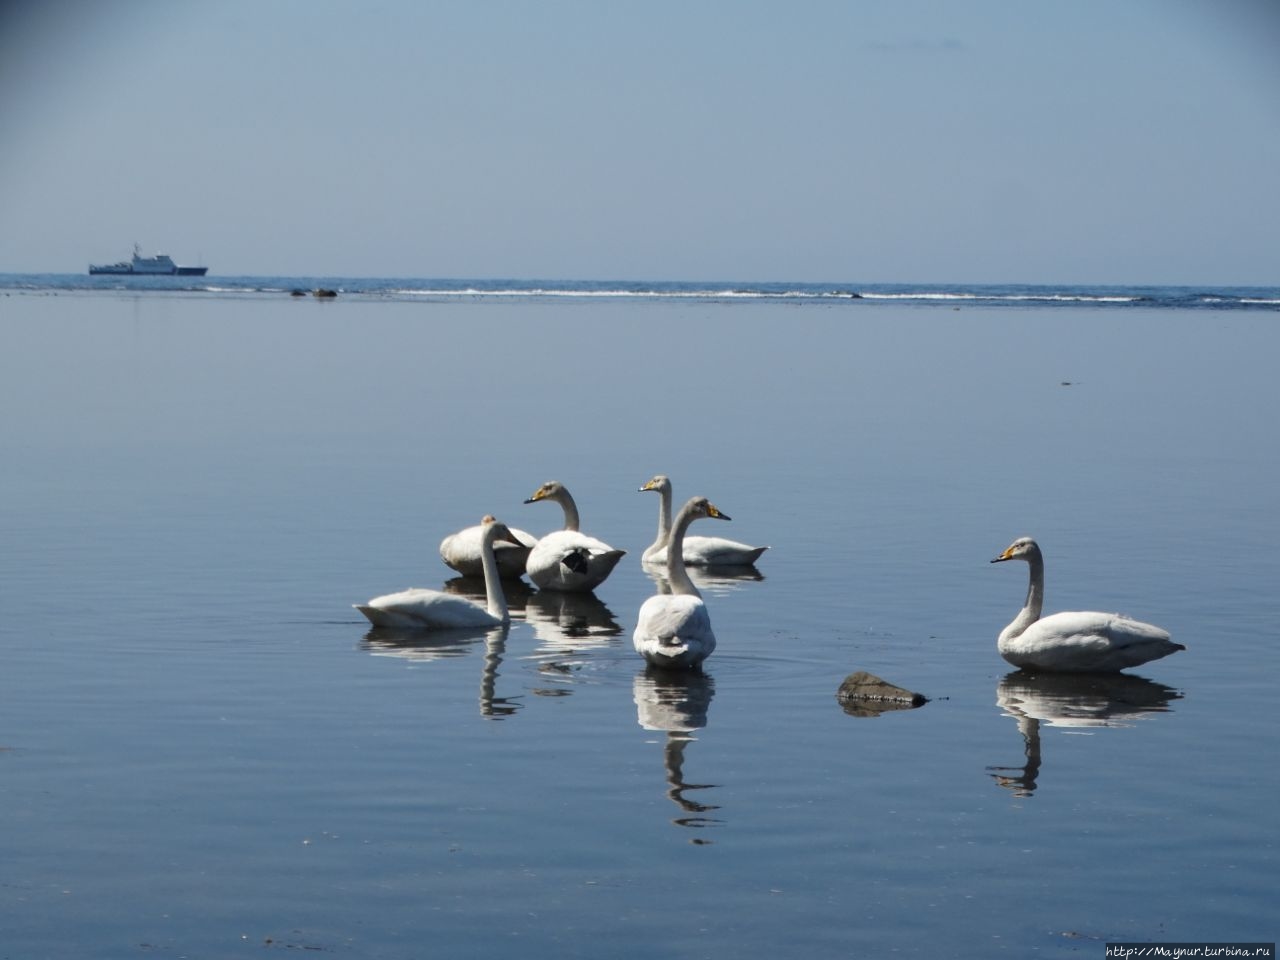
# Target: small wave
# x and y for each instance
(652, 293)
(1008, 297)
(463, 289)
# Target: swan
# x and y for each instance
(698, 551)
(461, 551)
(674, 629)
(567, 559)
(1077, 641)
(423, 609)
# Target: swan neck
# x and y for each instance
(664, 521)
(494, 597)
(1035, 588)
(676, 572)
(570, 510)
(1030, 611)
(664, 514)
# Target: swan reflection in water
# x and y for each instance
(567, 625)
(717, 580)
(420, 646)
(568, 622)
(1075, 700)
(677, 703)
(517, 592)
(564, 623)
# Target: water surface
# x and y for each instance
(207, 752)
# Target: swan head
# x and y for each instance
(702, 507)
(1024, 548)
(661, 483)
(493, 529)
(551, 490)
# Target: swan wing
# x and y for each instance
(569, 560)
(710, 552)
(423, 609)
(461, 551)
(718, 551)
(1088, 641)
(674, 630)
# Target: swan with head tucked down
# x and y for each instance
(422, 609)
(698, 551)
(568, 559)
(674, 629)
(462, 552)
(1077, 641)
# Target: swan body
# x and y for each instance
(1077, 641)
(462, 552)
(698, 551)
(568, 559)
(420, 609)
(674, 629)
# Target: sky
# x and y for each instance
(893, 141)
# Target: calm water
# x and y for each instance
(206, 754)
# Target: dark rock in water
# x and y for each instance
(325, 292)
(864, 694)
(296, 292)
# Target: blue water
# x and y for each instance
(206, 752)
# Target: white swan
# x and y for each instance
(419, 608)
(462, 552)
(674, 629)
(567, 559)
(1078, 641)
(698, 551)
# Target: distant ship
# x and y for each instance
(161, 264)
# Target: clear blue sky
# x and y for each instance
(1095, 141)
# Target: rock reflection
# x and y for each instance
(1082, 700)
(677, 703)
(422, 646)
(714, 580)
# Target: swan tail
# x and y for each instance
(672, 646)
(374, 615)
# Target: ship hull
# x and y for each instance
(127, 270)
(161, 265)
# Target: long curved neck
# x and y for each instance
(1030, 611)
(495, 599)
(676, 572)
(570, 509)
(664, 520)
